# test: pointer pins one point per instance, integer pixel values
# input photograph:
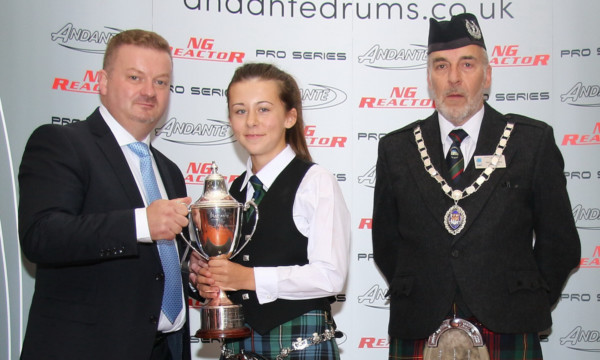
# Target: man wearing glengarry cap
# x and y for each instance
(472, 223)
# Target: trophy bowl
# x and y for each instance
(215, 226)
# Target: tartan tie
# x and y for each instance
(172, 294)
(455, 159)
(259, 193)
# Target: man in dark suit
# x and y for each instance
(471, 217)
(99, 226)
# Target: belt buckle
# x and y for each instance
(460, 324)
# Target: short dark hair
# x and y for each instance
(137, 37)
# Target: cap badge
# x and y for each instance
(473, 29)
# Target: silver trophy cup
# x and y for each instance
(215, 226)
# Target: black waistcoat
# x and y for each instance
(276, 242)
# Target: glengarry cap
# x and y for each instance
(461, 30)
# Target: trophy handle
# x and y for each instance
(248, 237)
(190, 246)
(192, 232)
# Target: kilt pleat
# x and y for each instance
(282, 336)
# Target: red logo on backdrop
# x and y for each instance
(373, 343)
(400, 98)
(315, 141)
(365, 224)
(88, 85)
(197, 172)
(583, 139)
(203, 49)
(592, 262)
(509, 56)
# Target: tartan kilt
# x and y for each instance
(499, 346)
(282, 336)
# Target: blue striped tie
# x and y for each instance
(172, 295)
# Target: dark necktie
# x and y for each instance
(259, 193)
(172, 294)
(455, 159)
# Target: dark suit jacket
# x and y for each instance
(98, 292)
(508, 283)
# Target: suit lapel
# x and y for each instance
(114, 156)
(491, 130)
(164, 174)
(431, 192)
(434, 199)
(168, 181)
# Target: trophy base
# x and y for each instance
(222, 322)
(223, 334)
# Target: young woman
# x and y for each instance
(297, 260)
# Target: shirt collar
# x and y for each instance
(269, 172)
(123, 136)
(472, 126)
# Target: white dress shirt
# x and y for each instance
(124, 138)
(472, 126)
(320, 214)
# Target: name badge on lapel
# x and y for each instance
(483, 161)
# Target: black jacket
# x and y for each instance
(507, 281)
(98, 291)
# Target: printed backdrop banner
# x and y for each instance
(361, 68)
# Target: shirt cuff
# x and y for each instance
(141, 226)
(265, 279)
